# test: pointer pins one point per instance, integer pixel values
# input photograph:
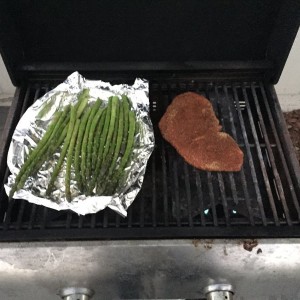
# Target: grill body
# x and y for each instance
(186, 229)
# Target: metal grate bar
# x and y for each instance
(261, 159)
(280, 150)
(23, 203)
(153, 170)
(129, 216)
(44, 220)
(188, 193)
(45, 210)
(69, 219)
(212, 199)
(164, 171)
(211, 193)
(223, 198)
(20, 214)
(12, 202)
(176, 192)
(164, 181)
(231, 177)
(117, 220)
(251, 163)
(105, 218)
(80, 221)
(32, 215)
(243, 177)
(200, 195)
(93, 220)
(272, 159)
(142, 209)
(34, 206)
(220, 176)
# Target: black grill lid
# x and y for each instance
(147, 35)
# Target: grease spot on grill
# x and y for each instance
(225, 251)
(258, 251)
(196, 242)
(208, 244)
(250, 244)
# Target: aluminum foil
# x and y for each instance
(32, 126)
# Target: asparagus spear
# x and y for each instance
(130, 142)
(120, 172)
(102, 144)
(126, 108)
(113, 151)
(115, 102)
(94, 110)
(90, 141)
(96, 141)
(63, 152)
(59, 138)
(96, 160)
(112, 124)
(38, 151)
(78, 147)
(69, 160)
(121, 127)
(47, 106)
(57, 141)
(82, 102)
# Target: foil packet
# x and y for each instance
(33, 124)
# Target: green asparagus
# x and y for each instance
(96, 144)
(120, 172)
(115, 102)
(104, 176)
(126, 108)
(101, 145)
(47, 106)
(69, 160)
(98, 141)
(119, 138)
(83, 165)
(82, 102)
(38, 151)
(94, 124)
(63, 151)
(78, 147)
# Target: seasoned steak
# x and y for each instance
(191, 126)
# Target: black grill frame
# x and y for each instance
(240, 103)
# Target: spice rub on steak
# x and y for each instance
(191, 126)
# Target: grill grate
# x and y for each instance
(178, 200)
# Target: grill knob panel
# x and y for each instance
(219, 295)
(76, 293)
(219, 292)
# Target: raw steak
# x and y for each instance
(191, 126)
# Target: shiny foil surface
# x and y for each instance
(32, 126)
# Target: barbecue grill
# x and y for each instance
(188, 229)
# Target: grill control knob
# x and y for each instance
(219, 292)
(76, 293)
